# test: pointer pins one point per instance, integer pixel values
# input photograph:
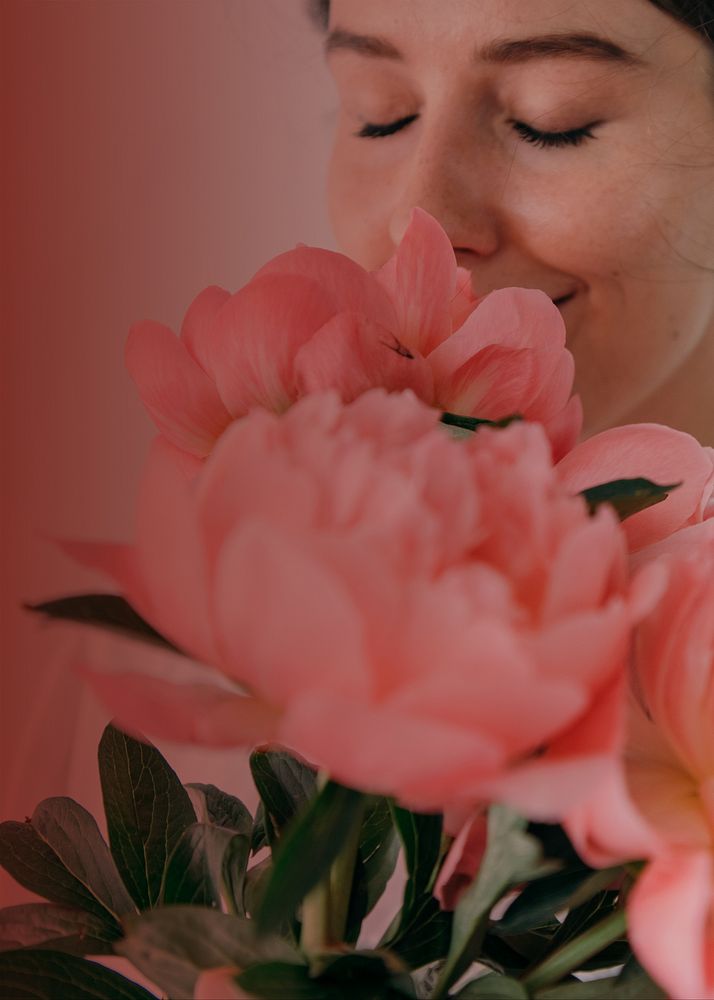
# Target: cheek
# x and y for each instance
(576, 222)
(627, 219)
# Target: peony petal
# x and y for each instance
(462, 862)
(465, 300)
(247, 478)
(579, 577)
(119, 563)
(670, 913)
(421, 279)
(487, 683)
(256, 335)
(352, 354)
(494, 384)
(185, 713)
(565, 428)
(509, 317)
(607, 828)
(286, 621)
(688, 539)
(181, 399)
(329, 729)
(219, 984)
(346, 285)
(510, 357)
(587, 647)
(195, 329)
(170, 556)
(660, 454)
(675, 661)
(547, 788)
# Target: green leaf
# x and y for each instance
(597, 989)
(421, 836)
(256, 881)
(306, 851)
(172, 945)
(259, 838)
(61, 855)
(218, 808)
(52, 975)
(376, 860)
(285, 784)
(356, 976)
(493, 987)
(555, 844)
(627, 496)
(457, 423)
(512, 956)
(106, 611)
(512, 856)
(206, 867)
(424, 938)
(420, 935)
(283, 981)
(147, 808)
(225, 858)
(60, 928)
(632, 983)
(582, 918)
(537, 905)
(378, 849)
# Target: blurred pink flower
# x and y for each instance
(219, 984)
(432, 619)
(659, 804)
(312, 319)
(650, 451)
(463, 860)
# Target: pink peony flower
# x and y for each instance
(659, 804)
(463, 861)
(312, 319)
(649, 451)
(219, 984)
(425, 618)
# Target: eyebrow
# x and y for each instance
(502, 51)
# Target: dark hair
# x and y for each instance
(698, 14)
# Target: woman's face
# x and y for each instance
(564, 145)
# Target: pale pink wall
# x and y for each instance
(150, 147)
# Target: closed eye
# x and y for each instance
(373, 131)
(536, 137)
(555, 140)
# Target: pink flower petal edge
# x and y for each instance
(651, 451)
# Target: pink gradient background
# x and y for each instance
(149, 149)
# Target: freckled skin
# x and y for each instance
(623, 221)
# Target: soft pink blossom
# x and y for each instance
(659, 804)
(649, 451)
(428, 618)
(219, 984)
(312, 319)
(462, 861)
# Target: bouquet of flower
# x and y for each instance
(451, 635)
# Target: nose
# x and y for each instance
(449, 179)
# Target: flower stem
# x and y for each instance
(315, 933)
(575, 953)
(326, 907)
(341, 878)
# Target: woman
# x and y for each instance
(566, 147)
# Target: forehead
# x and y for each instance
(456, 29)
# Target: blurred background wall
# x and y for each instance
(149, 148)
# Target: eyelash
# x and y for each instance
(543, 140)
